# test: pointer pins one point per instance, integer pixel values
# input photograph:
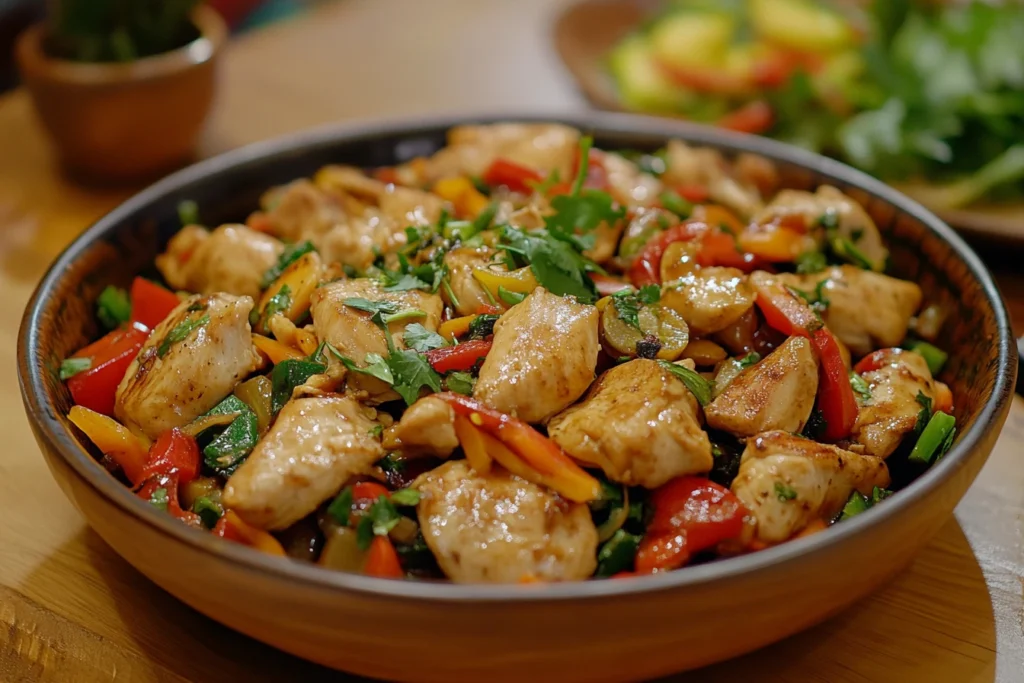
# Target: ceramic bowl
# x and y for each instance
(593, 631)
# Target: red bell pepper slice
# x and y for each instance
(691, 514)
(785, 312)
(110, 357)
(607, 285)
(169, 484)
(836, 400)
(461, 357)
(514, 176)
(695, 194)
(382, 560)
(174, 452)
(489, 309)
(368, 491)
(754, 117)
(151, 303)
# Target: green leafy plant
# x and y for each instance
(118, 30)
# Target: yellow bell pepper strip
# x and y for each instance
(473, 445)
(289, 294)
(779, 245)
(275, 350)
(460, 191)
(455, 327)
(114, 440)
(526, 452)
(234, 528)
(521, 281)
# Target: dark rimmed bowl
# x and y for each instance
(593, 631)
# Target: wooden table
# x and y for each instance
(70, 609)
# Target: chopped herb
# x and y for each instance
(510, 298)
(113, 307)
(817, 300)
(752, 358)
(407, 282)
(291, 254)
(384, 515)
(627, 305)
(481, 187)
(421, 339)
(649, 294)
(378, 309)
(188, 212)
(412, 371)
(483, 221)
(618, 554)
(811, 262)
(279, 303)
(784, 492)
(375, 366)
(857, 504)
(460, 383)
(925, 414)
(196, 306)
(935, 437)
(391, 465)
(482, 326)
(934, 356)
(159, 499)
(341, 507)
(208, 509)
(446, 285)
(846, 250)
(676, 204)
(860, 387)
(697, 385)
(878, 495)
(232, 446)
(556, 263)
(376, 431)
(180, 332)
(405, 314)
(289, 374)
(364, 532)
(72, 366)
(405, 497)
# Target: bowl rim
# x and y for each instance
(61, 441)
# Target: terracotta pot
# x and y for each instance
(124, 120)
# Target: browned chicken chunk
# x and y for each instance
(543, 358)
(787, 482)
(776, 393)
(503, 529)
(427, 428)
(314, 447)
(892, 411)
(231, 259)
(639, 423)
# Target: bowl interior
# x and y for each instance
(60, 317)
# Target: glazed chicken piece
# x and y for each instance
(427, 428)
(893, 409)
(639, 424)
(544, 147)
(301, 211)
(706, 167)
(231, 259)
(468, 291)
(709, 299)
(503, 529)
(352, 331)
(852, 223)
(402, 205)
(776, 393)
(866, 310)
(314, 447)
(192, 360)
(543, 357)
(787, 482)
(628, 184)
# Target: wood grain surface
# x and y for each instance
(70, 609)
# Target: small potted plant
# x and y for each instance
(122, 86)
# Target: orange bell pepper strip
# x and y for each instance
(543, 461)
(233, 528)
(455, 327)
(473, 445)
(114, 440)
(382, 560)
(151, 303)
(275, 350)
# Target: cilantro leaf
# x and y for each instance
(411, 372)
(291, 254)
(460, 383)
(421, 339)
(697, 385)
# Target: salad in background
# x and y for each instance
(899, 89)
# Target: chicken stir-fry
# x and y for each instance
(519, 359)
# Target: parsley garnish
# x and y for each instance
(412, 371)
(72, 366)
(628, 302)
(384, 312)
(811, 262)
(752, 358)
(279, 303)
(421, 339)
(180, 332)
(460, 383)
(376, 431)
(784, 492)
(291, 254)
(817, 300)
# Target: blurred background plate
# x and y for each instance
(585, 32)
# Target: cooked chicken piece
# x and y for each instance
(503, 529)
(893, 409)
(301, 211)
(776, 393)
(545, 147)
(403, 205)
(866, 310)
(351, 330)
(787, 482)
(191, 361)
(706, 167)
(754, 170)
(467, 289)
(852, 223)
(231, 259)
(314, 447)
(427, 428)
(358, 240)
(629, 185)
(645, 223)
(543, 357)
(639, 423)
(709, 299)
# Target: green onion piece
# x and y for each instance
(341, 507)
(113, 307)
(676, 204)
(406, 497)
(854, 506)
(510, 298)
(72, 366)
(698, 386)
(159, 499)
(933, 438)
(933, 355)
(188, 212)
(208, 509)
(617, 554)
